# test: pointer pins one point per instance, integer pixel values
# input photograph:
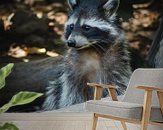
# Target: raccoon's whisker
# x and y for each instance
(95, 44)
(102, 48)
(95, 48)
(102, 40)
(83, 47)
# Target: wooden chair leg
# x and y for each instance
(160, 98)
(94, 122)
(124, 125)
(146, 110)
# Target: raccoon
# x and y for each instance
(97, 53)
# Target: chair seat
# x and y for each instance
(131, 111)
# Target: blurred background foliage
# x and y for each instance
(33, 29)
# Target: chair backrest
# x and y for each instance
(143, 77)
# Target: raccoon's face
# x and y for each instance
(91, 22)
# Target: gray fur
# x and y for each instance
(111, 7)
(72, 3)
(102, 59)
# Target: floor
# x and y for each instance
(72, 118)
(58, 121)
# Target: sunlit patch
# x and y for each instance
(36, 50)
(51, 15)
(57, 21)
(26, 60)
(39, 15)
(58, 31)
(51, 24)
(17, 52)
(20, 52)
(60, 18)
(29, 2)
(52, 54)
(7, 21)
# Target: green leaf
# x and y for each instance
(8, 126)
(20, 99)
(4, 72)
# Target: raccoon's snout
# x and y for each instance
(71, 43)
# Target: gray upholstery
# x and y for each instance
(124, 110)
(132, 105)
(146, 77)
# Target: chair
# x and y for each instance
(138, 107)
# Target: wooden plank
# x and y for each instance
(94, 121)
(119, 119)
(124, 125)
(127, 120)
(97, 93)
(150, 88)
(156, 123)
(113, 94)
(146, 109)
(101, 85)
(160, 98)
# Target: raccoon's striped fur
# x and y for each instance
(98, 53)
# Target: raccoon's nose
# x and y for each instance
(71, 43)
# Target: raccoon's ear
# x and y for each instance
(111, 7)
(72, 4)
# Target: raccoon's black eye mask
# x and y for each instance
(71, 26)
(85, 27)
